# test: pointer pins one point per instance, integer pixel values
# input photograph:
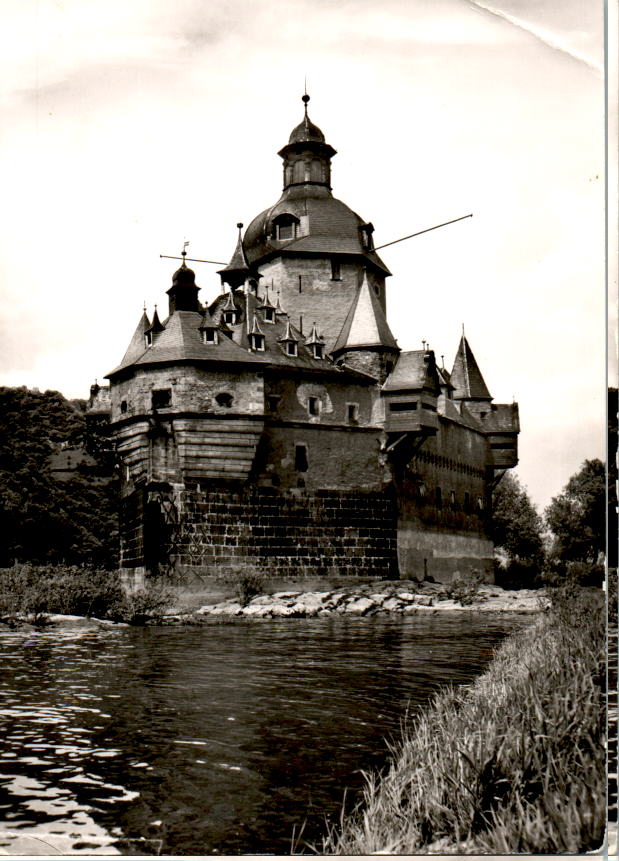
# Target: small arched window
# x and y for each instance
(224, 399)
(286, 227)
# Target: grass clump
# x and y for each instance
(515, 764)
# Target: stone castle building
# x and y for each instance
(281, 428)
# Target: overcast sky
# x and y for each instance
(130, 125)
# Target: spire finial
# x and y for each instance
(463, 330)
(305, 98)
(423, 341)
(184, 252)
(240, 225)
(145, 306)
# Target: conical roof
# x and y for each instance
(237, 270)
(466, 378)
(365, 324)
(136, 344)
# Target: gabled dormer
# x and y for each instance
(230, 312)
(289, 342)
(315, 343)
(209, 332)
(267, 308)
(257, 341)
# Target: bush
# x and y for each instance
(248, 585)
(464, 588)
(146, 604)
(575, 573)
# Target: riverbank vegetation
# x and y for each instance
(31, 594)
(514, 764)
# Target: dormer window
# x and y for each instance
(256, 341)
(209, 335)
(291, 348)
(318, 351)
(286, 227)
(269, 315)
(148, 339)
(365, 232)
(230, 317)
(336, 270)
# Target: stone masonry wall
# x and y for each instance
(320, 299)
(292, 533)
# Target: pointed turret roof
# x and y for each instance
(156, 325)
(238, 269)
(365, 324)
(466, 377)
(136, 344)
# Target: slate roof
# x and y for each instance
(415, 369)
(466, 377)
(180, 340)
(328, 225)
(501, 418)
(365, 324)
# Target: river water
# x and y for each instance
(222, 739)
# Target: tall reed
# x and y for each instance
(514, 764)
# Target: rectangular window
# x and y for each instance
(467, 501)
(273, 402)
(336, 272)
(352, 413)
(502, 446)
(402, 406)
(300, 457)
(313, 406)
(161, 398)
(291, 348)
(209, 335)
(285, 231)
(439, 498)
(428, 406)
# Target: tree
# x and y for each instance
(516, 530)
(41, 519)
(577, 516)
(516, 525)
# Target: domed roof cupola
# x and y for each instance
(307, 158)
(184, 291)
(306, 130)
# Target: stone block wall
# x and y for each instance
(293, 533)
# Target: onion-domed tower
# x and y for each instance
(310, 246)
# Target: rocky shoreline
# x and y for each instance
(399, 597)
(386, 597)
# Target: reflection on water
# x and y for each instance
(217, 739)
